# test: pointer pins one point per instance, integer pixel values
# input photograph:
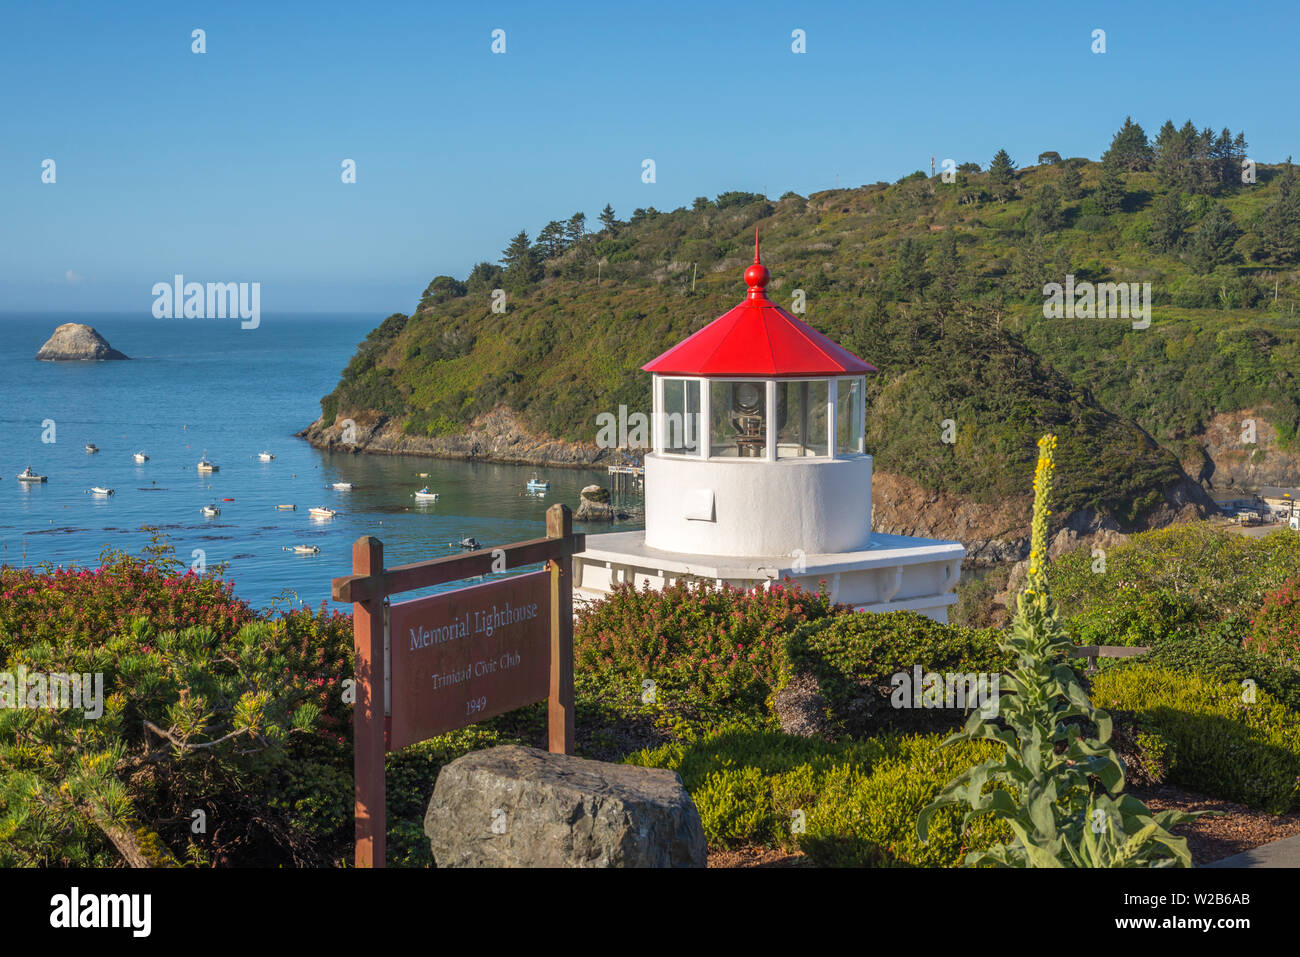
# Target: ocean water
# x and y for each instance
(197, 386)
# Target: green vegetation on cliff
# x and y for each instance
(938, 282)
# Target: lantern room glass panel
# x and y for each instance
(849, 416)
(801, 409)
(679, 422)
(738, 414)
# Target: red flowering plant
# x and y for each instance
(205, 707)
(719, 647)
(1275, 628)
(47, 603)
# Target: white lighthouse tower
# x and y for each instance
(758, 473)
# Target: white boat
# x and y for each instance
(287, 508)
(537, 486)
(100, 490)
(303, 549)
(210, 511)
(424, 495)
(264, 456)
(342, 486)
(322, 512)
(206, 466)
(27, 475)
(140, 457)
(91, 448)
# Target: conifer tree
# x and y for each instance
(1129, 149)
(1110, 189)
(607, 220)
(1212, 243)
(1001, 169)
(1071, 182)
(1169, 223)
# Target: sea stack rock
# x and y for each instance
(594, 506)
(74, 341)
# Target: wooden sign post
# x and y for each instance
(431, 665)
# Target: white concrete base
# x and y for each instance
(893, 573)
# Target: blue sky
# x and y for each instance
(226, 166)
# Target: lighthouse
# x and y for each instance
(759, 473)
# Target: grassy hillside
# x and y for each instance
(938, 284)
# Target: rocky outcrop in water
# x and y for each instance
(594, 505)
(73, 341)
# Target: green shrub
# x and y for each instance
(854, 656)
(1222, 745)
(1171, 582)
(1218, 660)
(844, 803)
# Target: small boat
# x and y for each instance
(322, 512)
(27, 475)
(424, 495)
(537, 485)
(469, 544)
(342, 486)
(421, 474)
(287, 508)
(303, 549)
(210, 511)
(100, 490)
(264, 456)
(206, 466)
(91, 448)
(140, 458)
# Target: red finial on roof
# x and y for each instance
(756, 276)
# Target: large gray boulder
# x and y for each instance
(520, 807)
(74, 341)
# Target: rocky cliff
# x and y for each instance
(73, 341)
(1229, 461)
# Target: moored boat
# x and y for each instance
(287, 508)
(535, 484)
(424, 495)
(342, 486)
(206, 466)
(100, 490)
(210, 511)
(322, 512)
(140, 457)
(303, 549)
(27, 475)
(264, 456)
(91, 448)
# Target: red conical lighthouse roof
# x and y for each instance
(758, 338)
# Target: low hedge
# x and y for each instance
(844, 803)
(1218, 660)
(1221, 745)
(854, 656)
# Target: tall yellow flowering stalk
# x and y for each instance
(1044, 472)
(1060, 792)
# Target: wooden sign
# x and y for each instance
(468, 655)
(516, 648)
